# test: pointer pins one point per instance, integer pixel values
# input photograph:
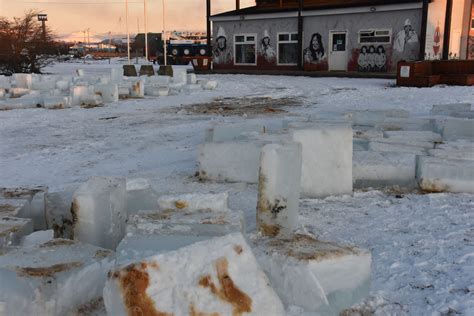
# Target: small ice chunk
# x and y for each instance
(53, 278)
(455, 128)
(99, 211)
(56, 102)
(229, 161)
(12, 229)
(180, 76)
(192, 79)
(138, 89)
(279, 188)
(37, 238)
(140, 196)
(322, 277)
(383, 169)
(210, 85)
(216, 276)
(443, 175)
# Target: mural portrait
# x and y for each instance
(222, 53)
(314, 53)
(406, 41)
(266, 49)
(371, 59)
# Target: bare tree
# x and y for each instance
(24, 47)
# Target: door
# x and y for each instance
(337, 51)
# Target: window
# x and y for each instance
(245, 49)
(375, 36)
(287, 48)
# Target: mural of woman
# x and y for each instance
(371, 58)
(362, 60)
(266, 50)
(314, 53)
(222, 54)
(406, 42)
(380, 59)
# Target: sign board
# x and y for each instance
(42, 17)
(405, 71)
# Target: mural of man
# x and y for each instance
(406, 41)
(314, 53)
(222, 54)
(266, 50)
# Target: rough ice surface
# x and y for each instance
(194, 202)
(444, 175)
(218, 276)
(140, 196)
(53, 278)
(12, 229)
(99, 211)
(461, 154)
(374, 117)
(327, 160)
(14, 207)
(384, 169)
(406, 124)
(322, 277)
(279, 188)
(229, 161)
(455, 128)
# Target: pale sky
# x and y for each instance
(102, 16)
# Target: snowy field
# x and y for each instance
(422, 245)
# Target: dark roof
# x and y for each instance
(321, 6)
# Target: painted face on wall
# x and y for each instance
(315, 43)
(266, 41)
(371, 49)
(363, 50)
(221, 43)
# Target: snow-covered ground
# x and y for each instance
(422, 245)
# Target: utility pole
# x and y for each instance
(128, 32)
(300, 35)
(447, 29)
(146, 28)
(208, 16)
(237, 4)
(88, 39)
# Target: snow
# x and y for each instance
(420, 244)
(218, 276)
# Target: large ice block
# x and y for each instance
(230, 132)
(459, 154)
(219, 276)
(322, 277)
(12, 229)
(400, 148)
(424, 136)
(195, 202)
(445, 175)
(406, 124)
(448, 109)
(229, 161)
(384, 169)
(14, 207)
(279, 188)
(405, 142)
(56, 102)
(140, 196)
(99, 211)
(58, 213)
(456, 128)
(108, 92)
(53, 278)
(327, 160)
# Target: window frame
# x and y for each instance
(245, 35)
(390, 35)
(289, 41)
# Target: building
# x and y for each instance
(341, 35)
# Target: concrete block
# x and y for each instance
(54, 278)
(384, 169)
(229, 161)
(129, 71)
(147, 70)
(322, 277)
(443, 175)
(279, 188)
(218, 276)
(327, 160)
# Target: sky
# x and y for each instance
(103, 16)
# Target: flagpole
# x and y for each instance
(128, 32)
(164, 35)
(146, 29)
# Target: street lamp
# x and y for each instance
(43, 18)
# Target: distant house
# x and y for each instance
(155, 44)
(338, 35)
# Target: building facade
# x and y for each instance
(351, 35)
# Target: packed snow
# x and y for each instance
(422, 245)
